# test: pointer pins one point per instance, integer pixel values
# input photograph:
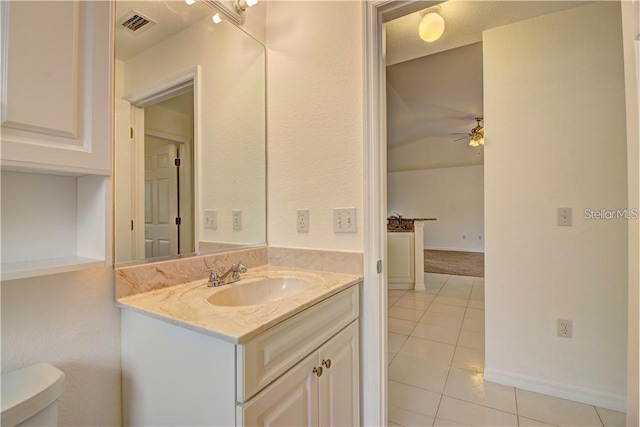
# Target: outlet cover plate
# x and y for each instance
(302, 220)
(565, 328)
(236, 220)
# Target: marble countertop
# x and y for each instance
(187, 306)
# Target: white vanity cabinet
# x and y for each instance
(57, 73)
(303, 371)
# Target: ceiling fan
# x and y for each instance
(476, 135)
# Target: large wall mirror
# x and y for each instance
(190, 155)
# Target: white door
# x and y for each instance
(291, 401)
(161, 201)
(340, 379)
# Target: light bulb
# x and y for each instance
(431, 27)
(189, 2)
(216, 18)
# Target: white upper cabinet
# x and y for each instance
(57, 86)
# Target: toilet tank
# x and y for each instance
(30, 396)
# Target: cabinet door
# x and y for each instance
(291, 401)
(400, 256)
(340, 380)
(57, 76)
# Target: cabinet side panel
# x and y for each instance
(175, 377)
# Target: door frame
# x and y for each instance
(159, 92)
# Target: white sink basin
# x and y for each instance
(258, 291)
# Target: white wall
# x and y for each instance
(631, 40)
(315, 122)
(555, 120)
(231, 129)
(70, 321)
(455, 196)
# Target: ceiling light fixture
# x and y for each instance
(242, 5)
(431, 26)
(216, 18)
(190, 2)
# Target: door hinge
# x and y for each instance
(379, 266)
(131, 225)
(178, 221)
(131, 133)
(177, 161)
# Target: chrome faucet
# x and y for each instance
(216, 280)
(235, 271)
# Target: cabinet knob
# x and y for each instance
(326, 363)
(318, 370)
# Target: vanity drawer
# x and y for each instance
(270, 354)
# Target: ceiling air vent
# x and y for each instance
(135, 22)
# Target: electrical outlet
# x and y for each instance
(302, 220)
(236, 220)
(565, 328)
(210, 219)
(344, 220)
(565, 216)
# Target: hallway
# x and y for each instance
(436, 356)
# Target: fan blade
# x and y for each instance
(459, 139)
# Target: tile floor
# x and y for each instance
(436, 360)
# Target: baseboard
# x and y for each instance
(400, 286)
(440, 248)
(605, 400)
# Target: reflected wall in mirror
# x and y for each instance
(190, 133)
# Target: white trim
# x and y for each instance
(601, 399)
(444, 248)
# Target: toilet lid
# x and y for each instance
(27, 391)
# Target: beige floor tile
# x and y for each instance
(468, 358)
(437, 307)
(555, 411)
(442, 319)
(405, 313)
(527, 422)
(436, 333)
(473, 325)
(396, 292)
(439, 422)
(477, 296)
(416, 372)
(407, 418)
(400, 326)
(392, 424)
(434, 352)
(612, 418)
(412, 398)
(478, 281)
(412, 304)
(455, 292)
(390, 356)
(471, 339)
(419, 296)
(435, 278)
(395, 341)
(474, 313)
(471, 387)
(458, 302)
(471, 414)
(460, 280)
(476, 304)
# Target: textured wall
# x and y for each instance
(555, 120)
(315, 122)
(453, 195)
(70, 321)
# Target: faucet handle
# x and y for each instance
(239, 267)
(213, 277)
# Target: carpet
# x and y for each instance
(454, 262)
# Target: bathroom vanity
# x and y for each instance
(195, 355)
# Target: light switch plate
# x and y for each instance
(210, 219)
(344, 220)
(565, 217)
